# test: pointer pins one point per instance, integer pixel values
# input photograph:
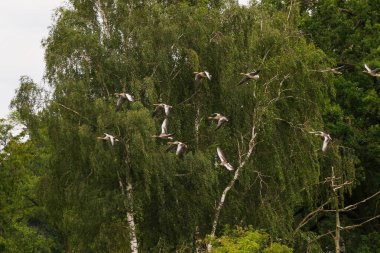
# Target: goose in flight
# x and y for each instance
(371, 72)
(122, 98)
(218, 117)
(249, 76)
(334, 70)
(327, 139)
(223, 160)
(164, 131)
(180, 150)
(203, 74)
(108, 137)
(161, 106)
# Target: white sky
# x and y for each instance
(23, 24)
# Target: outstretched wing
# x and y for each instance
(157, 110)
(326, 142)
(164, 126)
(180, 149)
(220, 123)
(112, 140)
(197, 76)
(340, 67)
(221, 155)
(367, 68)
(208, 75)
(167, 110)
(171, 146)
(243, 80)
(228, 166)
(254, 72)
(119, 103)
(129, 97)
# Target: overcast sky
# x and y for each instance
(23, 24)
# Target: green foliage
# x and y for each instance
(24, 227)
(277, 248)
(369, 243)
(241, 240)
(151, 50)
(352, 38)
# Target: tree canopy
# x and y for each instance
(89, 195)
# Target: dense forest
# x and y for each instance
(236, 129)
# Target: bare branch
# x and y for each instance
(360, 224)
(336, 187)
(353, 206)
(311, 215)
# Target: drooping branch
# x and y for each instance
(73, 111)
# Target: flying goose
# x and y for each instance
(162, 106)
(334, 70)
(223, 160)
(327, 139)
(181, 147)
(164, 131)
(122, 98)
(218, 117)
(249, 76)
(371, 72)
(203, 74)
(108, 137)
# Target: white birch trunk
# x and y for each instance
(128, 195)
(228, 188)
(131, 220)
(197, 124)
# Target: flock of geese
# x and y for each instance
(181, 147)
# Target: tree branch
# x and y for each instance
(251, 146)
(360, 224)
(311, 215)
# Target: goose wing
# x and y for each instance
(228, 166)
(221, 121)
(112, 140)
(129, 97)
(197, 76)
(254, 72)
(119, 103)
(243, 80)
(221, 155)
(214, 116)
(156, 111)
(326, 141)
(164, 126)
(207, 75)
(367, 68)
(167, 109)
(180, 149)
(339, 67)
(172, 145)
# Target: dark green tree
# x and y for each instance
(108, 198)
